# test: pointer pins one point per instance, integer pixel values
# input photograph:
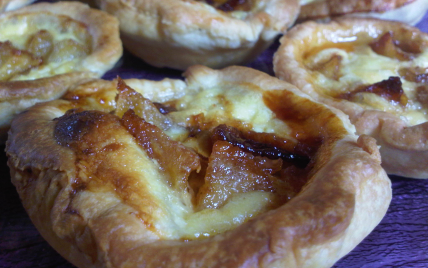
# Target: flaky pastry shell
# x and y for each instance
(407, 11)
(47, 48)
(104, 204)
(375, 71)
(178, 34)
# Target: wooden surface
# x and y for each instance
(400, 240)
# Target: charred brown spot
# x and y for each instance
(74, 124)
(389, 89)
(236, 138)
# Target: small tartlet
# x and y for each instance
(373, 70)
(179, 34)
(46, 48)
(407, 11)
(103, 196)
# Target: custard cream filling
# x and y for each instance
(19, 30)
(364, 66)
(244, 103)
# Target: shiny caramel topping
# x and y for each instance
(236, 138)
(389, 89)
(387, 46)
(309, 123)
(121, 152)
(230, 5)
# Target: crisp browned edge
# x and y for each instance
(345, 199)
(404, 149)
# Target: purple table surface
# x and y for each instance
(400, 240)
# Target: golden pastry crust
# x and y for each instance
(95, 196)
(374, 71)
(178, 34)
(408, 11)
(45, 48)
(8, 5)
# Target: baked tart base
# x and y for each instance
(179, 34)
(102, 195)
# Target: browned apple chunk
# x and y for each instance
(390, 89)
(128, 98)
(175, 160)
(422, 95)
(231, 170)
(79, 30)
(387, 46)
(40, 44)
(414, 74)
(330, 68)
(14, 61)
(67, 50)
(261, 144)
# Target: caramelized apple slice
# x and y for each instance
(175, 160)
(236, 138)
(67, 50)
(422, 95)
(387, 46)
(390, 90)
(330, 68)
(40, 44)
(128, 98)
(14, 61)
(231, 170)
(414, 74)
